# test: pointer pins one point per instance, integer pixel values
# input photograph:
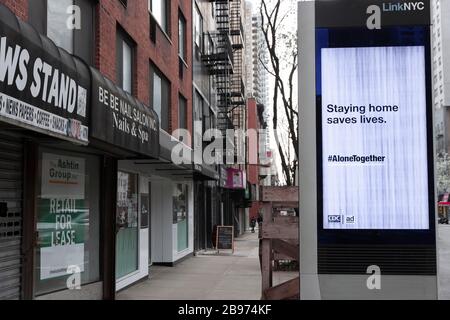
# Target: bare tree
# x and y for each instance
(282, 66)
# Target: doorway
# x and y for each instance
(127, 244)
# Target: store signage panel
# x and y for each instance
(236, 179)
(42, 88)
(63, 215)
(372, 14)
(121, 120)
(374, 138)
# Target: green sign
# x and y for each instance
(63, 215)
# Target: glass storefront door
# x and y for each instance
(180, 215)
(127, 244)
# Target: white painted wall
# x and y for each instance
(164, 232)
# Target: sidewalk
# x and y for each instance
(206, 277)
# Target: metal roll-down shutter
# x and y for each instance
(11, 185)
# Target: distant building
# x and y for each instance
(441, 73)
(260, 55)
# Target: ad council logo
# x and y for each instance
(350, 220)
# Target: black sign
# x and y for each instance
(121, 120)
(42, 87)
(373, 14)
(225, 238)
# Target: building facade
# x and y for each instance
(219, 103)
(441, 73)
(104, 107)
(91, 191)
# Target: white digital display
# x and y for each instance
(374, 138)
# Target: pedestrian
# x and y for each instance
(253, 224)
(260, 218)
(214, 236)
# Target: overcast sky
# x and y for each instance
(289, 24)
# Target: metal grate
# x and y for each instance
(392, 260)
(11, 161)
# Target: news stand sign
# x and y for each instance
(39, 91)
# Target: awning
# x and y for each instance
(120, 120)
(182, 156)
(43, 88)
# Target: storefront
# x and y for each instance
(50, 181)
(207, 210)
(172, 204)
(233, 186)
(64, 202)
(131, 130)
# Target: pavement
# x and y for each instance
(443, 246)
(208, 276)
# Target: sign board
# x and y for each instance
(225, 238)
(374, 118)
(366, 169)
(121, 120)
(374, 138)
(236, 179)
(42, 87)
(63, 215)
(372, 13)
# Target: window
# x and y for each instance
(68, 220)
(160, 97)
(124, 61)
(56, 23)
(127, 224)
(198, 29)
(182, 37)
(50, 18)
(159, 9)
(180, 215)
(182, 113)
(198, 117)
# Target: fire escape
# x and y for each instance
(225, 62)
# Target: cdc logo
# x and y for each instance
(334, 219)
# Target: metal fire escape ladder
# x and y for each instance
(226, 65)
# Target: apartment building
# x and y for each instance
(441, 72)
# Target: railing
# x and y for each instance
(279, 240)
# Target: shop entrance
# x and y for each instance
(127, 225)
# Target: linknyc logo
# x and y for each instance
(375, 11)
(403, 6)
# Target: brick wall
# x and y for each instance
(135, 21)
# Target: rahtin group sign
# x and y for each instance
(63, 215)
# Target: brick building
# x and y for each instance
(136, 58)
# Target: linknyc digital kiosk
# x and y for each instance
(367, 208)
